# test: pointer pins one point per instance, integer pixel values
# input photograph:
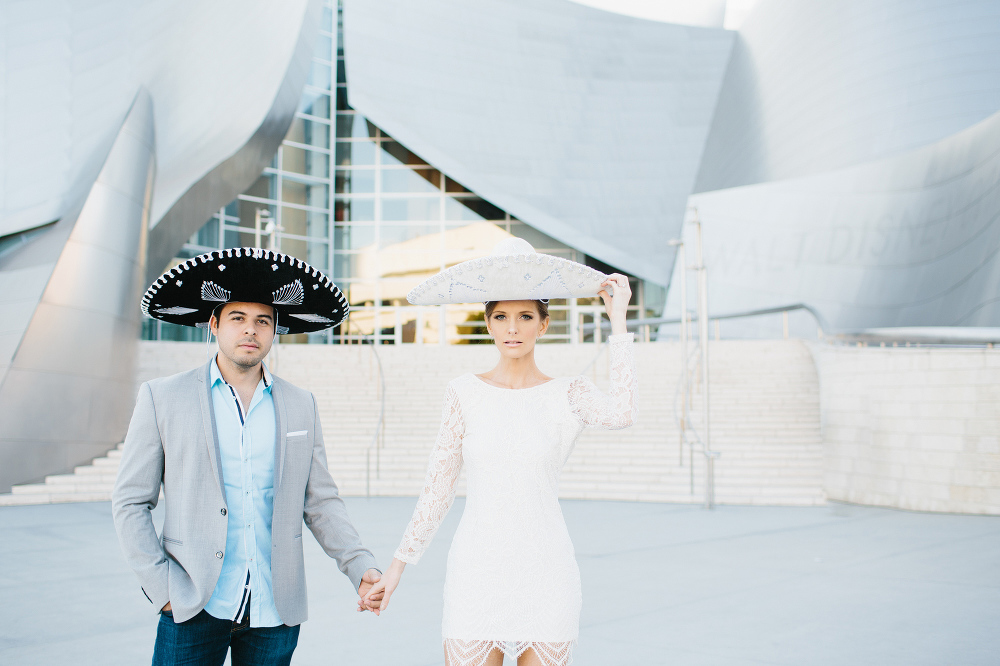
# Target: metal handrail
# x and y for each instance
(378, 438)
(652, 321)
(600, 350)
(690, 432)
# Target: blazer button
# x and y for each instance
(223, 512)
(219, 554)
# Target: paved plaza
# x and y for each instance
(662, 584)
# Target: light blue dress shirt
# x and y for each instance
(246, 444)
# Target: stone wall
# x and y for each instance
(912, 428)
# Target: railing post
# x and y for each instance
(703, 342)
(397, 331)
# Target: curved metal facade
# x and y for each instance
(816, 86)
(71, 70)
(66, 395)
(852, 166)
(587, 125)
(910, 240)
(78, 189)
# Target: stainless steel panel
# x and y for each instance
(221, 185)
(816, 86)
(67, 395)
(910, 240)
(585, 124)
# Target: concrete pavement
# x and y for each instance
(662, 584)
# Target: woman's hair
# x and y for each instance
(542, 306)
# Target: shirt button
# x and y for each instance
(219, 554)
(223, 512)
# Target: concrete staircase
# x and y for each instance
(764, 400)
(87, 483)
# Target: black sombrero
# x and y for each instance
(305, 299)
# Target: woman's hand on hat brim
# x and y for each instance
(616, 303)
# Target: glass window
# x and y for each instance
(309, 132)
(357, 210)
(324, 47)
(343, 269)
(248, 214)
(394, 153)
(341, 71)
(429, 235)
(232, 209)
(315, 103)
(318, 254)
(208, 235)
(178, 333)
(342, 104)
(451, 186)
(541, 242)
(307, 162)
(411, 180)
(352, 125)
(300, 222)
(357, 153)
(356, 181)
(305, 193)
(350, 237)
(402, 210)
(242, 238)
(319, 75)
(294, 247)
(471, 208)
(265, 187)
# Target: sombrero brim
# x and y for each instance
(508, 278)
(305, 299)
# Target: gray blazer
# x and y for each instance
(172, 440)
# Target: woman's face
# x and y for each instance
(515, 326)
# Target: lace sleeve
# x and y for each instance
(439, 487)
(620, 409)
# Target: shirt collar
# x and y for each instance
(216, 375)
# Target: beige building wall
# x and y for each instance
(912, 428)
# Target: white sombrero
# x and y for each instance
(513, 272)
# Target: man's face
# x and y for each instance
(245, 332)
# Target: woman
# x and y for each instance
(513, 585)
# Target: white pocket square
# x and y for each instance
(297, 433)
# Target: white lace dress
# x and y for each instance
(512, 579)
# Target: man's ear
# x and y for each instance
(213, 326)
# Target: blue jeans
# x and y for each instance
(204, 640)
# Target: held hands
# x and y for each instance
(377, 598)
(371, 577)
(616, 304)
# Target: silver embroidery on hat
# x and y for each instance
(176, 310)
(290, 294)
(213, 292)
(311, 318)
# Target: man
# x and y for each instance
(240, 457)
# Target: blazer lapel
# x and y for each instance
(280, 419)
(208, 423)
